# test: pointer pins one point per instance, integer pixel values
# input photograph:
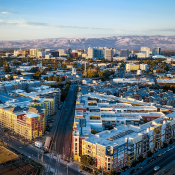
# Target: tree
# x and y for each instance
(50, 78)
(34, 69)
(103, 60)
(37, 75)
(68, 82)
(165, 144)
(46, 78)
(56, 78)
(62, 79)
(63, 66)
(6, 68)
(149, 153)
(14, 72)
(10, 77)
(141, 158)
(19, 72)
(49, 67)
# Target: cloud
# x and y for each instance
(40, 24)
(5, 12)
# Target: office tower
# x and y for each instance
(108, 54)
(156, 51)
(94, 53)
(146, 51)
(124, 53)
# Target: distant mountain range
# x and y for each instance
(118, 42)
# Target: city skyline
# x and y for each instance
(56, 19)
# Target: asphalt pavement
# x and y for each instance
(161, 162)
(63, 135)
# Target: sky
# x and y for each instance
(40, 19)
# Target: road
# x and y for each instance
(33, 152)
(161, 162)
(63, 134)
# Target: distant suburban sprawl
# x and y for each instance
(92, 110)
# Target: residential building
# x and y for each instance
(28, 123)
(135, 67)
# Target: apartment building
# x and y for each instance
(103, 112)
(23, 84)
(117, 148)
(27, 122)
(135, 67)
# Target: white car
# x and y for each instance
(156, 168)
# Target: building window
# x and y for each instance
(114, 166)
(75, 140)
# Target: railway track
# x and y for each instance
(63, 135)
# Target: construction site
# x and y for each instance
(14, 163)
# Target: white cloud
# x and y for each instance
(5, 12)
(40, 24)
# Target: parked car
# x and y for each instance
(156, 168)
(159, 155)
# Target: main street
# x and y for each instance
(63, 135)
(161, 162)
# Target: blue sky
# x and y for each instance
(39, 19)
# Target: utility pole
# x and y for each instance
(55, 146)
(42, 156)
(63, 153)
(67, 169)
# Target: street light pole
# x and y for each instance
(67, 169)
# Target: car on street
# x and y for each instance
(20, 147)
(29, 157)
(156, 168)
(159, 155)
